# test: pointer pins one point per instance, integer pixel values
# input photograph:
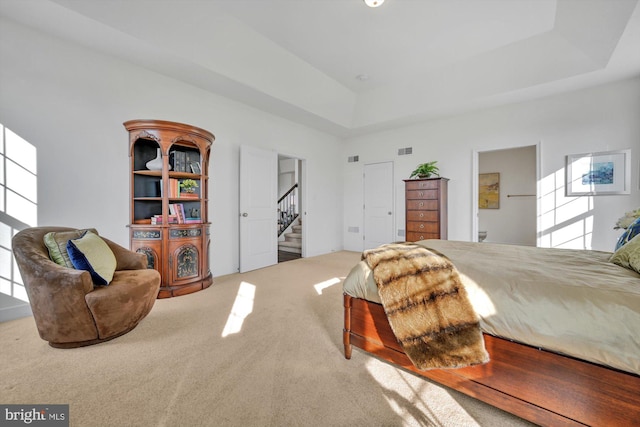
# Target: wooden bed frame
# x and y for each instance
(543, 387)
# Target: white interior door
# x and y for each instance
(258, 208)
(378, 204)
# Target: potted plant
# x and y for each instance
(188, 186)
(426, 170)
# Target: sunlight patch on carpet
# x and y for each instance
(416, 400)
(319, 287)
(242, 307)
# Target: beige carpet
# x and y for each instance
(284, 367)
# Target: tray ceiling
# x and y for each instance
(347, 69)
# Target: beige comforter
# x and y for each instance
(570, 301)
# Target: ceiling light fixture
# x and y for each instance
(373, 3)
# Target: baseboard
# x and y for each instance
(15, 312)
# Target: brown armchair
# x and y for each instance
(68, 310)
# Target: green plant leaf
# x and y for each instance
(426, 170)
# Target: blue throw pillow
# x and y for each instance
(632, 231)
(91, 253)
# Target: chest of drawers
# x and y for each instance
(426, 209)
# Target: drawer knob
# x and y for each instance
(421, 194)
(421, 225)
(421, 237)
(421, 204)
(421, 214)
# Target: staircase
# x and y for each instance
(292, 242)
(289, 226)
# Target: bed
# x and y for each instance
(562, 329)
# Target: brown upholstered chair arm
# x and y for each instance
(37, 268)
(62, 281)
(126, 259)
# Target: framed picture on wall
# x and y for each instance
(489, 191)
(596, 174)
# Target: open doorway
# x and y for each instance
(290, 212)
(505, 196)
(266, 216)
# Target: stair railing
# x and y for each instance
(287, 209)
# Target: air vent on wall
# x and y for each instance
(404, 151)
(353, 159)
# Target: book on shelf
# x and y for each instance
(158, 219)
(192, 157)
(179, 207)
(174, 187)
(175, 192)
(193, 220)
(178, 161)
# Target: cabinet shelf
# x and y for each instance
(179, 251)
(182, 175)
(147, 221)
(185, 175)
(148, 173)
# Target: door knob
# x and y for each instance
(245, 214)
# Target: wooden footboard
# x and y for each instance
(546, 388)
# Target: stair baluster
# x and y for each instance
(287, 209)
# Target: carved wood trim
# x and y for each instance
(146, 135)
(183, 138)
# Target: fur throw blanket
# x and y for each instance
(427, 306)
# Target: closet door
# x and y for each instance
(378, 204)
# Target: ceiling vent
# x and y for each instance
(353, 159)
(405, 151)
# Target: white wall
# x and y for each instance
(70, 103)
(287, 174)
(514, 222)
(592, 120)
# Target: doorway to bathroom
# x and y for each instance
(506, 195)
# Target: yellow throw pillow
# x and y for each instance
(628, 256)
(91, 253)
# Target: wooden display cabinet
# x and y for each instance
(176, 241)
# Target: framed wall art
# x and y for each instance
(595, 174)
(489, 190)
